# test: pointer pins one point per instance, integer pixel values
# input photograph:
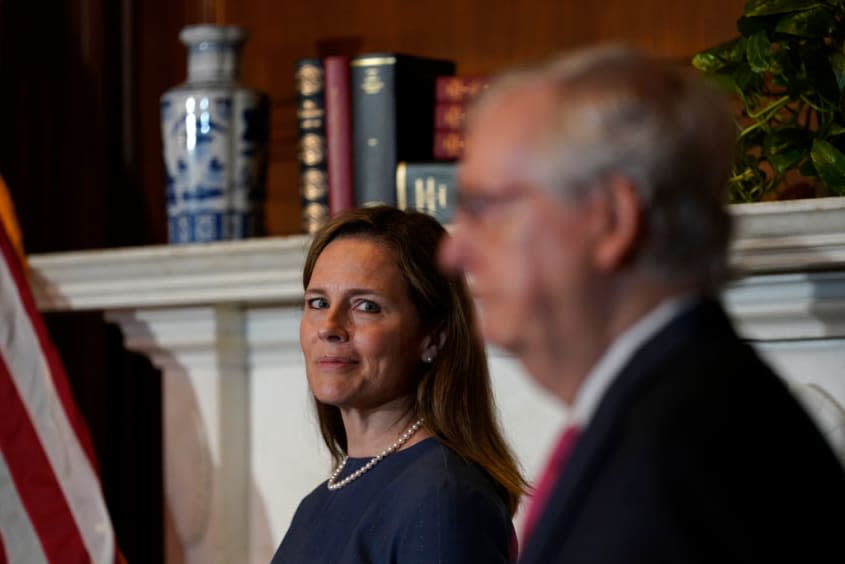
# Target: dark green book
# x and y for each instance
(429, 187)
(311, 151)
(393, 98)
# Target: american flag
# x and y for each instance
(51, 503)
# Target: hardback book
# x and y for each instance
(454, 97)
(460, 88)
(339, 134)
(429, 187)
(311, 150)
(392, 114)
(450, 115)
(448, 144)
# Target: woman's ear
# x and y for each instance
(432, 345)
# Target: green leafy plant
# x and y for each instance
(787, 69)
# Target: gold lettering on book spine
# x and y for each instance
(372, 84)
(314, 215)
(373, 61)
(454, 116)
(452, 144)
(401, 187)
(461, 88)
(429, 196)
(310, 115)
(312, 149)
(314, 184)
(309, 79)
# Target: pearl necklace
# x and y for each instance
(332, 485)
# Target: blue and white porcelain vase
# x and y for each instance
(215, 142)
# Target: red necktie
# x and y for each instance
(549, 478)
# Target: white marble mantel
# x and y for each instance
(221, 322)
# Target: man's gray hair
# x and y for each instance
(658, 124)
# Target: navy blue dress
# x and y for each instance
(424, 504)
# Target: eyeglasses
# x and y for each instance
(475, 206)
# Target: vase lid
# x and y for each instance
(211, 33)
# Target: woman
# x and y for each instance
(404, 404)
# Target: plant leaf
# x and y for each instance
(747, 81)
(816, 22)
(808, 169)
(820, 75)
(749, 26)
(720, 56)
(758, 50)
(835, 129)
(788, 67)
(768, 7)
(786, 147)
(782, 162)
(837, 63)
(830, 164)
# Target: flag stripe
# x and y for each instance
(3, 558)
(34, 479)
(20, 294)
(32, 368)
(16, 524)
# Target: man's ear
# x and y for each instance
(623, 224)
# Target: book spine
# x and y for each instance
(339, 134)
(373, 128)
(450, 115)
(460, 88)
(392, 112)
(454, 96)
(310, 116)
(429, 187)
(448, 144)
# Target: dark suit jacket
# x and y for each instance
(697, 453)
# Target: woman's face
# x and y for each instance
(360, 332)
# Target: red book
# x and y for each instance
(460, 88)
(450, 115)
(448, 144)
(338, 134)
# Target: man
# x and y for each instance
(593, 228)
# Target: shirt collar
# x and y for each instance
(607, 369)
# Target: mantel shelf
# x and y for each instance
(247, 271)
(776, 237)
